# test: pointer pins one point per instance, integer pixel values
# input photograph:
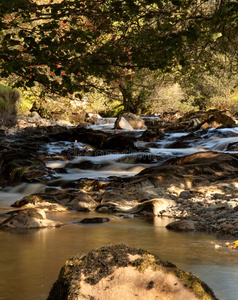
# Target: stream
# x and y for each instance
(30, 262)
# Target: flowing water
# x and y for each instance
(30, 262)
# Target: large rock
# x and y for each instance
(120, 143)
(27, 219)
(193, 170)
(58, 202)
(151, 136)
(216, 119)
(151, 207)
(122, 272)
(211, 118)
(182, 225)
(21, 166)
(196, 120)
(129, 121)
(123, 124)
(95, 138)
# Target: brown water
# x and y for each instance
(30, 262)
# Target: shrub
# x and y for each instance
(9, 98)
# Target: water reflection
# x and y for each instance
(30, 263)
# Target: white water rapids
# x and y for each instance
(30, 263)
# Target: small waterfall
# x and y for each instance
(172, 137)
(220, 144)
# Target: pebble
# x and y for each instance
(218, 216)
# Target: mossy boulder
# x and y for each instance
(123, 272)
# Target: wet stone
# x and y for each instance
(94, 220)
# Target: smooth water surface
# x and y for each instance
(30, 262)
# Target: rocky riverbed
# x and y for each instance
(159, 171)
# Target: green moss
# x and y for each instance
(144, 262)
(34, 214)
(17, 171)
(92, 266)
(102, 262)
(14, 174)
(200, 289)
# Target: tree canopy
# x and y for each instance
(65, 45)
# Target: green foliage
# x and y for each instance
(214, 88)
(28, 97)
(8, 96)
(55, 42)
(77, 46)
(168, 96)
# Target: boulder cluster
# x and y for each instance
(198, 189)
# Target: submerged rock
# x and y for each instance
(27, 219)
(123, 272)
(152, 207)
